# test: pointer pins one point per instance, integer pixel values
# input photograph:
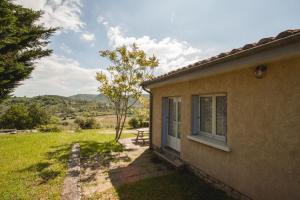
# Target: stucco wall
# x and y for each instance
(263, 129)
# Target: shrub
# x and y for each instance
(21, 116)
(145, 124)
(90, 123)
(50, 128)
(37, 115)
(86, 123)
(54, 120)
(80, 121)
(15, 117)
(134, 123)
(65, 123)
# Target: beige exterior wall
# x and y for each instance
(263, 129)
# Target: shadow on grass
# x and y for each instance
(93, 154)
(178, 185)
(51, 167)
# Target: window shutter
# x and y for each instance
(195, 115)
(165, 113)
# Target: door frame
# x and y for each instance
(168, 140)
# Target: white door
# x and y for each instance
(174, 123)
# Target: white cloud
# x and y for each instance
(172, 53)
(101, 20)
(87, 37)
(65, 48)
(57, 13)
(61, 76)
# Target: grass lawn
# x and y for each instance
(33, 166)
(179, 185)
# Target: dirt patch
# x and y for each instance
(135, 163)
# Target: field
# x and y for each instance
(33, 166)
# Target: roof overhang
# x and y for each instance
(264, 54)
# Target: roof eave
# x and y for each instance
(274, 47)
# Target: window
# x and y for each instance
(174, 120)
(209, 116)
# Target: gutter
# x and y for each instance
(150, 117)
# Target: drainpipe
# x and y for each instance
(150, 117)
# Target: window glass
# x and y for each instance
(179, 111)
(171, 117)
(206, 114)
(221, 102)
(179, 119)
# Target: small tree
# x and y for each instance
(16, 117)
(22, 41)
(37, 115)
(130, 67)
(22, 116)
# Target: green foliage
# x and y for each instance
(130, 67)
(37, 116)
(16, 117)
(142, 113)
(86, 123)
(54, 120)
(62, 107)
(36, 163)
(50, 128)
(22, 41)
(133, 123)
(137, 123)
(21, 116)
(144, 123)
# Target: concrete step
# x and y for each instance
(176, 162)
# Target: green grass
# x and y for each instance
(179, 185)
(33, 166)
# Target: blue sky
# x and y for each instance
(177, 32)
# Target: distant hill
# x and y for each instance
(76, 105)
(90, 97)
(94, 97)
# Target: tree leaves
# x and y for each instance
(22, 41)
(130, 67)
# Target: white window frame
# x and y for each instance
(213, 134)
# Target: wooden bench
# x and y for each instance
(142, 135)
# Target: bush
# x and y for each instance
(50, 128)
(90, 123)
(87, 123)
(80, 122)
(137, 123)
(134, 123)
(65, 123)
(145, 124)
(21, 116)
(37, 115)
(16, 117)
(54, 120)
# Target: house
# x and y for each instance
(234, 119)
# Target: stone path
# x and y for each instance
(71, 188)
(133, 164)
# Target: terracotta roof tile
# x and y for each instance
(247, 47)
(265, 40)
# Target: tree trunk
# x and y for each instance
(122, 126)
